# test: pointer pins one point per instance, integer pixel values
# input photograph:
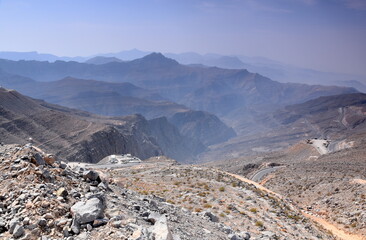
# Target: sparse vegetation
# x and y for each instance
(259, 224)
(253, 210)
(207, 205)
(198, 209)
(170, 201)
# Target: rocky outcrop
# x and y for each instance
(113, 140)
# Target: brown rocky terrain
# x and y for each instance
(157, 199)
(49, 200)
(330, 186)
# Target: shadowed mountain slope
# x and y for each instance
(80, 136)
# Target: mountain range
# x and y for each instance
(213, 89)
(273, 69)
(120, 99)
(156, 86)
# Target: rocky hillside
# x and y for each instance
(331, 186)
(45, 197)
(23, 118)
(332, 116)
(80, 136)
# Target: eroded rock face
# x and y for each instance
(173, 143)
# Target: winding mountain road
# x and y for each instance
(258, 176)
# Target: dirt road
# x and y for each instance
(339, 233)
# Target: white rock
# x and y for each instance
(85, 212)
(160, 230)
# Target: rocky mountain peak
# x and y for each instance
(157, 59)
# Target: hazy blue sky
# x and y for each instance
(328, 35)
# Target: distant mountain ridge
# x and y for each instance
(273, 69)
(16, 56)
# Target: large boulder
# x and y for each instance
(85, 212)
(91, 175)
